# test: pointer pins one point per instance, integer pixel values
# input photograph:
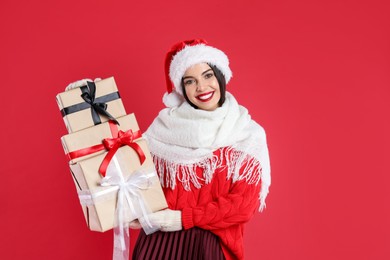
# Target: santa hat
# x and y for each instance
(182, 56)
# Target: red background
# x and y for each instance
(315, 74)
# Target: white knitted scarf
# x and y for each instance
(183, 138)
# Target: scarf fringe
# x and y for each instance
(263, 195)
(235, 160)
(171, 172)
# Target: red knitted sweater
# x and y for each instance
(221, 206)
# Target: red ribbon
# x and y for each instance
(120, 138)
(85, 151)
(113, 144)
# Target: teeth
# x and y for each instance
(204, 97)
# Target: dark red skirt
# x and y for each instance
(191, 244)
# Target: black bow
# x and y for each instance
(88, 94)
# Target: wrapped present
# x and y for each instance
(90, 105)
(99, 202)
(111, 163)
(89, 142)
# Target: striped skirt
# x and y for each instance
(191, 244)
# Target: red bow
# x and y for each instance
(123, 138)
(119, 139)
(113, 144)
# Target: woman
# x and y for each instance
(212, 160)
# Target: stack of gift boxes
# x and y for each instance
(106, 152)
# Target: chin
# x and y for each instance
(208, 108)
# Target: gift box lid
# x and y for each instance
(90, 105)
(94, 136)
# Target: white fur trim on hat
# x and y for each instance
(192, 55)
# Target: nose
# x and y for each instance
(201, 85)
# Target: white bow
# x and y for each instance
(130, 203)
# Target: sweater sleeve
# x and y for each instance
(231, 204)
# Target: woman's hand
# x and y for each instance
(79, 83)
(167, 220)
(135, 224)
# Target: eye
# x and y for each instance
(188, 82)
(209, 75)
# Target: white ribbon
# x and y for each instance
(130, 203)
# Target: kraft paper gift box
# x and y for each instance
(90, 105)
(100, 206)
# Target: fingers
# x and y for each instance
(135, 224)
(77, 84)
(154, 219)
(80, 83)
(166, 220)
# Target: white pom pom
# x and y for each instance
(173, 99)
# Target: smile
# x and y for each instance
(206, 96)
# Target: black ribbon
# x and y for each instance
(97, 105)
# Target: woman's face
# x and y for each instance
(201, 86)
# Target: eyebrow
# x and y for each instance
(204, 72)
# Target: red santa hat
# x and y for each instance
(182, 56)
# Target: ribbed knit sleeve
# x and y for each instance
(233, 204)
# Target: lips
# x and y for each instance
(205, 97)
